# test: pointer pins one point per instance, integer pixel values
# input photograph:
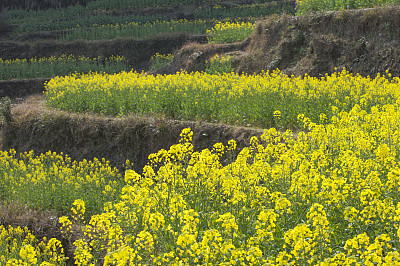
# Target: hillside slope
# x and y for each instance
(363, 41)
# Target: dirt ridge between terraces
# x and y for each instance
(85, 136)
(137, 52)
(18, 88)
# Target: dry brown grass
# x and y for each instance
(85, 136)
(364, 41)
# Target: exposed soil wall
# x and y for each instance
(363, 41)
(37, 128)
(193, 57)
(17, 88)
(137, 52)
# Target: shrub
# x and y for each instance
(219, 65)
(229, 32)
(159, 61)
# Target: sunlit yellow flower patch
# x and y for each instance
(53, 181)
(328, 197)
(268, 99)
(19, 247)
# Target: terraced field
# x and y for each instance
(212, 166)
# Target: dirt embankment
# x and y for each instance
(18, 88)
(363, 41)
(137, 52)
(84, 136)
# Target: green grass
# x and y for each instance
(86, 17)
(305, 6)
(136, 30)
(61, 66)
(159, 61)
(53, 181)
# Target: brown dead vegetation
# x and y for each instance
(363, 41)
(85, 136)
(137, 52)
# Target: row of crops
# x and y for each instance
(328, 196)
(97, 13)
(123, 4)
(265, 100)
(78, 17)
(218, 31)
(137, 30)
(221, 32)
(59, 66)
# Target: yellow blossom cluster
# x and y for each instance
(267, 99)
(19, 247)
(329, 196)
(53, 181)
(219, 64)
(159, 61)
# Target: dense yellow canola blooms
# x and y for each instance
(330, 196)
(227, 98)
(19, 247)
(53, 181)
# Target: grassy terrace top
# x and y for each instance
(269, 99)
(123, 12)
(305, 6)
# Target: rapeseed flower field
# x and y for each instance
(53, 181)
(19, 247)
(225, 98)
(327, 194)
(328, 197)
